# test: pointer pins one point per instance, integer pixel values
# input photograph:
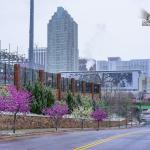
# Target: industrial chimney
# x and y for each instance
(31, 34)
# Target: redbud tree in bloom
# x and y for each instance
(16, 101)
(56, 112)
(99, 115)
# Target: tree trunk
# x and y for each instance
(56, 124)
(14, 122)
(82, 124)
(98, 125)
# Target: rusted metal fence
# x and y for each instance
(20, 76)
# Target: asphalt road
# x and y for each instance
(131, 139)
(125, 139)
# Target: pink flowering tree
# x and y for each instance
(99, 115)
(16, 101)
(56, 112)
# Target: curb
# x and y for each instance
(4, 138)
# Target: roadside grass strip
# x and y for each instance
(98, 142)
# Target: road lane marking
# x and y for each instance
(98, 142)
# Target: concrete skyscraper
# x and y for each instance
(62, 45)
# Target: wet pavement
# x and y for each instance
(70, 141)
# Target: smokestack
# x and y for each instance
(31, 33)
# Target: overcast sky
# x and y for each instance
(106, 27)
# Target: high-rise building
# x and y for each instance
(62, 48)
(116, 64)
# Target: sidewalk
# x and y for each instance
(6, 135)
(9, 135)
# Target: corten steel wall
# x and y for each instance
(17, 76)
(23, 76)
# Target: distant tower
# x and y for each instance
(62, 44)
(31, 33)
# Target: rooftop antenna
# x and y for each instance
(17, 54)
(9, 54)
(0, 45)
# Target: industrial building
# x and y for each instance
(116, 64)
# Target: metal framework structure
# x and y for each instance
(7, 61)
(10, 58)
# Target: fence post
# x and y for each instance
(17, 76)
(126, 116)
(83, 88)
(92, 90)
(25, 75)
(100, 91)
(109, 116)
(41, 76)
(73, 86)
(119, 117)
(5, 73)
(59, 86)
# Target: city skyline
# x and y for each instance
(116, 32)
(116, 64)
